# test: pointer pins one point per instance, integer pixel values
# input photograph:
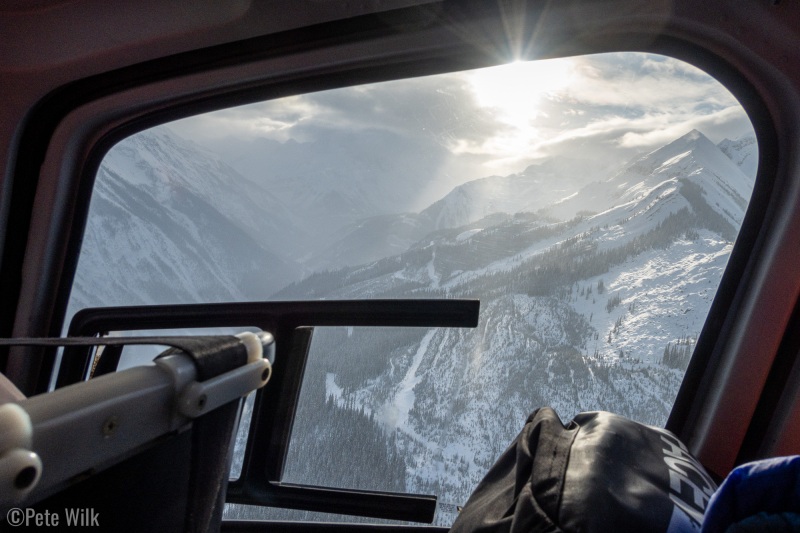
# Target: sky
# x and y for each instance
(599, 110)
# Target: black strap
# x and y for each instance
(212, 354)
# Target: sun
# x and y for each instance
(515, 90)
(515, 95)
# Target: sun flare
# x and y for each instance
(514, 94)
(515, 90)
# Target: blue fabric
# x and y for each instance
(772, 523)
(753, 492)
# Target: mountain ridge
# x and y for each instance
(580, 309)
(467, 203)
(600, 311)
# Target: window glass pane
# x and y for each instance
(591, 204)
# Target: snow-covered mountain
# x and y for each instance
(335, 182)
(692, 158)
(560, 189)
(596, 312)
(743, 151)
(170, 222)
(591, 297)
(537, 187)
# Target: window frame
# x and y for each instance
(71, 130)
(270, 430)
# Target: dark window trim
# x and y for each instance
(291, 323)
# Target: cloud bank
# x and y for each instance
(598, 109)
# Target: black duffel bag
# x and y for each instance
(600, 473)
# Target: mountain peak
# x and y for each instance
(690, 142)
(693, 143)
(694, 137)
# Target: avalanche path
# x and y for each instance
(395, 413)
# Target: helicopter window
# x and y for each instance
(590, 203)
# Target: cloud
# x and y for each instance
(617, 105)
(714, 125)
(275, 119)
(601, 107)
(440, 108)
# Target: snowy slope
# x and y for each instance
(165, 165)
(349, 176)
(539, 186)
(596, 312)
(171, 223)
(559, 189)
(692, 158)
(370, 239)
(742, 151)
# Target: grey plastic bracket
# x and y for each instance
(202, 397)
(89, 426)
